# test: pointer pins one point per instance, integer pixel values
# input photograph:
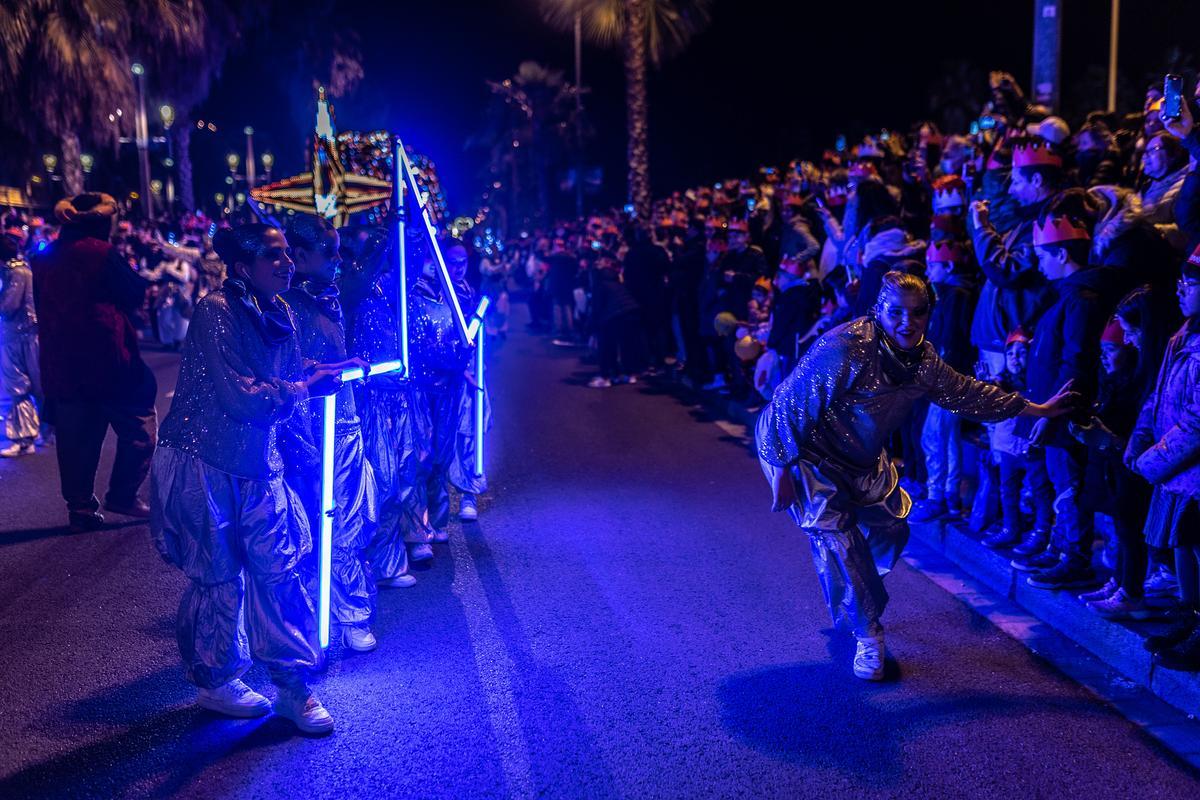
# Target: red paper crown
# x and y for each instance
(1018, 335)
(953, 252)
(739, 225)
(1113, 333)
(1194, 258)
(1035, 154)
(949, 191)
(1059, 229)
(794, 200)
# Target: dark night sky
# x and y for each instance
(768, 81)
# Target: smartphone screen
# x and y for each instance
(1172, 97)
(840, 143)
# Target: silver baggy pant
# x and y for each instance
(461, 470)
(393, 450)
(21, 381)
(239, 542)
(857, 527)
(355, 515)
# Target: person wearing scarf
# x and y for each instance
(821, 446)
(220, 510)
(314, 298)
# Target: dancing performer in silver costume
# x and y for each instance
(315, 302)
(220, 509)
(821, 445)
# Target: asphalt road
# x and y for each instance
(628, 619)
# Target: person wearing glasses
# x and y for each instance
(1165, 450)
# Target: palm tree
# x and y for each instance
(66, 65)
(645, 30)
(530, 129)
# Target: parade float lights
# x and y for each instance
(325, 556)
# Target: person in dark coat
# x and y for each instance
(887, 244)
(687, 273)
(617, 325)
(1066, 351)
(645, 270)
(795, 312)
(93, 375)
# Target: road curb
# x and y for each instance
(1117, 645)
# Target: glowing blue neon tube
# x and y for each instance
(447, 285)
(476, 322)
(325, 545)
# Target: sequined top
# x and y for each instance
(374, 335)
(844, 400)
(234, 390)
(323, 340)
(435, 349)
(16, 298)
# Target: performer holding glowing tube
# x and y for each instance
(439, 365)
(220, 509)
(821, 446)
(392, 439)
(315, 301)
(473, 411)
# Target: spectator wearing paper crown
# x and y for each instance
(795, 312)
(1015, 294)
(947, 267)
(1066, 352)
(950, 196)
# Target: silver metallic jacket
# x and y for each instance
(234, 390)
(843, 401)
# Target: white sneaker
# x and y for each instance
(467, 509)
(599, 382)
(868, 658)
(234, 699)
(399, 582)
(420, 552)
(360, 640)
(441, 535)
(304, 709)
(16, 450)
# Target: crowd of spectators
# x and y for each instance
(1058, 254)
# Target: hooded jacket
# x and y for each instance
(882, 253)
(1167, 436)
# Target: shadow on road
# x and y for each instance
(821, 716)
(9, 538)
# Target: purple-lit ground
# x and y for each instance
(627, 620)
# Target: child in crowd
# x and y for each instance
(1010, 456)
(949, 333)
(1112, 488)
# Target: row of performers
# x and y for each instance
(235, 483)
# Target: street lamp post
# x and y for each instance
(268, 161)
(250, 176)
(231, 160)
(578, 113)
(167, 114)
(142, 137)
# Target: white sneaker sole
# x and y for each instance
(350, 646)
(398, 582)
(868, 674)
(308, 727)
(468, 516)
(421, 553)
(239, 712)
